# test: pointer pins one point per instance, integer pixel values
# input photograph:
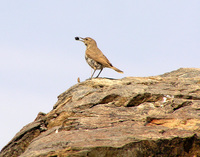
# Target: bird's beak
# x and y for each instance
(79, 38)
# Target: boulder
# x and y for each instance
(129, 117)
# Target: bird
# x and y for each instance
(94, 57)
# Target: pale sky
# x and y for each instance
(39, 58)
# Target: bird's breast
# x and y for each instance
(92, 63)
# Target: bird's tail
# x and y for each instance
(119, 71)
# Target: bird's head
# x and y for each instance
(87, 41)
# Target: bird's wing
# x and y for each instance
(98, 56)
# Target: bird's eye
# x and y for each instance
(86, 38)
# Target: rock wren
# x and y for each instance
(94, 57)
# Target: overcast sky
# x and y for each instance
(39, 58)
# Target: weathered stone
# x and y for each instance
(130, 117)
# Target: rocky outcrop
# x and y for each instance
(129, 117)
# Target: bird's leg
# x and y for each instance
(99, 72)
(93, 73)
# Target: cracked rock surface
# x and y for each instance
(130, 117)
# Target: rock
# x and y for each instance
(184, 73)
(129, 117)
